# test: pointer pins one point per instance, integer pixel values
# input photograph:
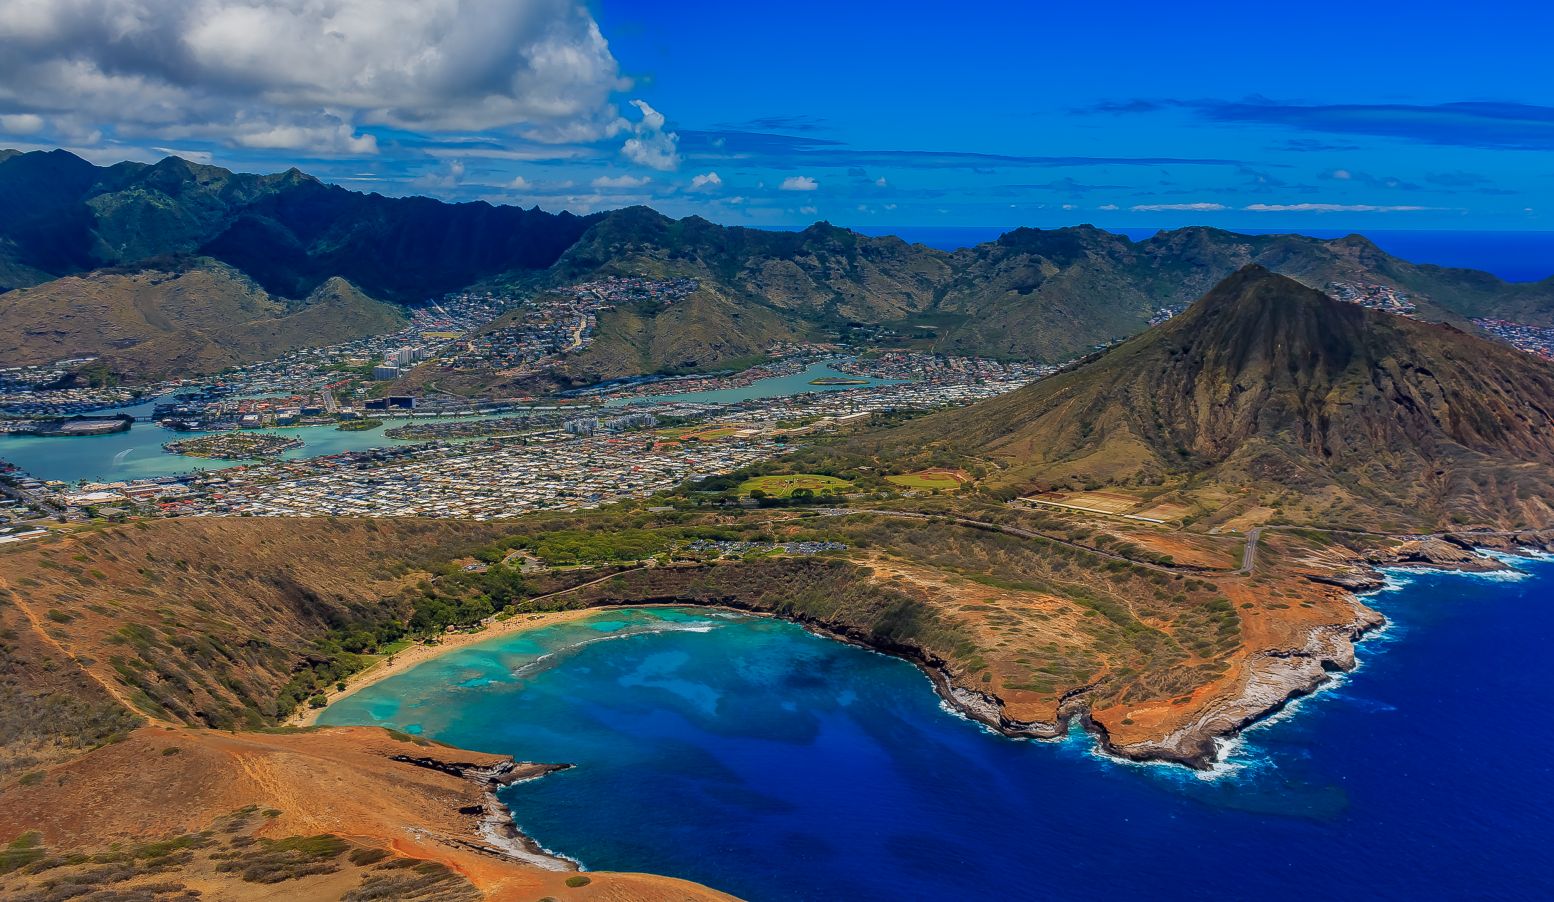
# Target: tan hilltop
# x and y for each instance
(1334, 414)
(324, 815)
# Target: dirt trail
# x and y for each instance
(36, 623)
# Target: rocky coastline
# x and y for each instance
(1275, 677)
(496, 825)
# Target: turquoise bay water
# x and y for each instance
(752, 756)
(138, 454)
(773, 387)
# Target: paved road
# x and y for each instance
(1249, 553)
(10, 491)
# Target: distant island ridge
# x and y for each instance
(1513, 256)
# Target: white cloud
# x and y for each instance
(620, 181)
(1108, 207)
(451, 176)
(193, 156)
(309, 74)
(338, 139)
(1171, 208)
(651, 146)
(706, 181)
(808, 211)
(1343, 175)
(21, 124)
(519, 183)
(798, 183)
(881, 183)
(1333, 208)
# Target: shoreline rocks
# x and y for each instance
(496, 825)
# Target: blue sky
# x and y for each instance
(1373, 115)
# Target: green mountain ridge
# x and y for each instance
(1047, 295)
(60, 215)
(174, 317)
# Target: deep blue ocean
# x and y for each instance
(1513, 256)
(754, 757)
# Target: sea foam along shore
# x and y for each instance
(1276, 677)
(401, 661)
(1284, 676)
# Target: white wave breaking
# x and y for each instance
(548, 659)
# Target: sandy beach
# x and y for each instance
(421, 652)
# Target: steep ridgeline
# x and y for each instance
(1047, 295)
(289, 232)
(1352, 416)
(178, 269)
(174, 318)
(1038, 294)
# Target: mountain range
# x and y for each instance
(1266, 392)
(1047, 295)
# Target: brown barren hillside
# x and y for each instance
(178, 320)
(1345, 415)
(121, 647)
(195, 621)
(353, 813)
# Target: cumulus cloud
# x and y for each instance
(450, 176)
(620, 181)
(21, 124)
(706, 181)
(309, 74)
(197, 156)
(650, 145)
(1170, 208)
(798, 183)
(338, 138)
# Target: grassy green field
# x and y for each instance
(395, 647)
(928, 480)
(783, 486)
(698, 432)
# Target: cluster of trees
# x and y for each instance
(579, 546)
(458, 598)
(797, 497)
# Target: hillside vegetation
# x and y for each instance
(1047, 295)
(178, 318)
(1333, 413)
(288, 232)
(202, 622)
(1033, 294)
